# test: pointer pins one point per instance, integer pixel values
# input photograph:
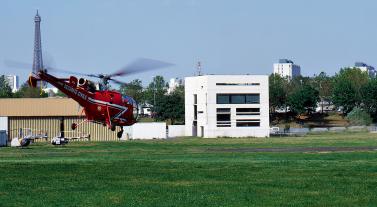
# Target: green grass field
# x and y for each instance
(192, 172)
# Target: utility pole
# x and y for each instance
(154, 94)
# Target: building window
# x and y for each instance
(237, 84)
(195, 112)
(223, 99)
(223, 117)
(252, 98)
(248, 122)
(238, 99)
(195, 107)
(247, 111)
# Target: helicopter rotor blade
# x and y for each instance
(119, 82)
(70, 72)
(18, 65)
(141, 65)
(27, 66)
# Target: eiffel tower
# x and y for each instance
(37, 60)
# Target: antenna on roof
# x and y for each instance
(199, 68)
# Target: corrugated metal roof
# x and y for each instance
(39, 107)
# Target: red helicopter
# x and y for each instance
(101, 105)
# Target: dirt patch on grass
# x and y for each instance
(294, 149)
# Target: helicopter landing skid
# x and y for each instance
(120, 133)
(75, 125)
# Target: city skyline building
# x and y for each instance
(287, 68)
(13, 82)
(173, 84)
(366, 68)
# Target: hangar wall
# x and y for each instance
(52, 126)
(45, 114)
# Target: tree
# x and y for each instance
(278, 91)
(133, 89)
(324, 85)
(29, 92)
(303, 99)
(369, 97)
(155, 90)
(5, 89)
(347, 88)
(60, 94)
(359, 117)
(172, 106)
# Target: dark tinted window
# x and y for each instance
(222, 99)
(223, 117)
(247, 109)
(237, 99)
(223, 110)
(252, 98)
(248, 124)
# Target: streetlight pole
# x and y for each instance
(154, 92)
(154, 95)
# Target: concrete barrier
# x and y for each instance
(319, 130)
(337, 129)
(176, 130)
(357, 128)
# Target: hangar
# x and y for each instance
(46, 114)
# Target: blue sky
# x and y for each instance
(229, 37)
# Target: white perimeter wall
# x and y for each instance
(4, 123)
(153, 130)
(176, 130)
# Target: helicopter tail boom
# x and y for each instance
(33, 80)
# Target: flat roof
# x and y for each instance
(39, 107)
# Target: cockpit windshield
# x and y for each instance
(129, 100)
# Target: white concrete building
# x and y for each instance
(13, 82)
(173, 84)
(366, 68)
(50, 91)
(145, 109)
(227, 106)
(286, 68)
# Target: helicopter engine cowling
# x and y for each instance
(83, 82)
(87, 84)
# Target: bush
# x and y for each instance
(359, 117)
